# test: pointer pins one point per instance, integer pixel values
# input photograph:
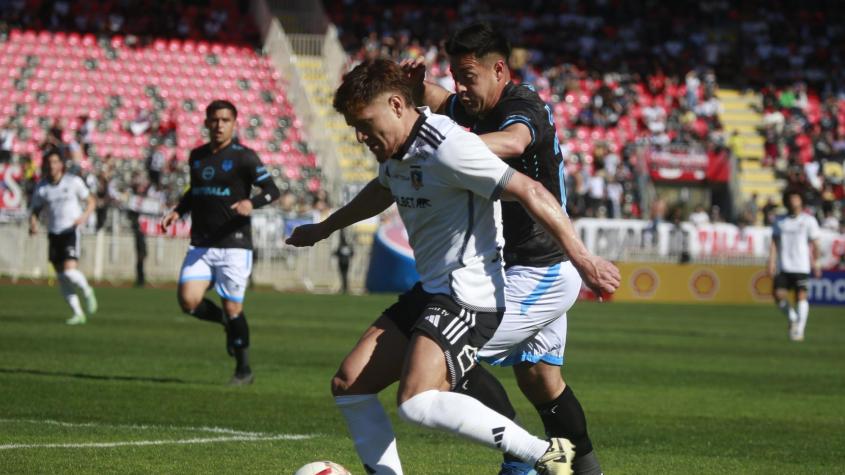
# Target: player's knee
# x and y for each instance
(539, 383)
(341, 384)
(188, 305)
(416, 408)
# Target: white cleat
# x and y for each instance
(558, 458)
(76, 320)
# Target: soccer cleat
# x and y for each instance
(242, 379)
(558, 458)
(91, 302)
(76, 320)
(516, 468)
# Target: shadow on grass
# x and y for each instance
(103, 377)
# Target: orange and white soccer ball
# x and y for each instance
(322, 468)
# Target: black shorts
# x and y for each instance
(63, 246)
(458, 331)
(791, 281)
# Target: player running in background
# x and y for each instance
(444, 181)
(61, 194)
(542, 282)
(223, 173)
(793, 252)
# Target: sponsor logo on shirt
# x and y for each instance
(412, 202)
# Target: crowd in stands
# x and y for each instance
(139, 21)
(625, 74)
(118, 88)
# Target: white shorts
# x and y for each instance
(534, 326)
(227, 268)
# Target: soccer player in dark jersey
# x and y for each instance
(223, 173)
(542, 283)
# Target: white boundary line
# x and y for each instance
(233, 435)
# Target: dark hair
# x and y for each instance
(220, 104)
(789, 192)
(479, 39)
(369, 80)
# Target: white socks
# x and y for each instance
(787, 310)
(69, 293)
(372, 433)
(78, 279)
(803, 312)
(467, 417)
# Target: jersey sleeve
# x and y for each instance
(813, 230)
(254, 169)
(468, 163)
(80, 189)
(37, 199)
(382, 175)
(455, 110)
(520, 110)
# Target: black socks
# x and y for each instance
(564, 417)
(208, 311)
(238, 335)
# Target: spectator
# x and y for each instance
(7, 142)
(141, 123)
(699, 216)
(344, 253)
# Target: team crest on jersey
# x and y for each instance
(207, 173)
(227, 165)
(416, 178)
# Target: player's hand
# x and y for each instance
(79, 222)
(414, 70)
(168, 219)
(600, 275)
(243, 207)
(307, 235)
(771, 271)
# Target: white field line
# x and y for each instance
(101, 445)
(232, 435)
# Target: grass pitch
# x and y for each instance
(140, 389)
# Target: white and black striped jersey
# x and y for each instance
(446, 183)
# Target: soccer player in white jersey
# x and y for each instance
(794, 251)
(61, 195)
(543, 283)
(445, 182)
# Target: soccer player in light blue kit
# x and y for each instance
(543, 282)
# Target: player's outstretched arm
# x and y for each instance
(815, 258)
(426, 93)
(90, 206)
(369, 202)
(771, 268)
(183, 207)
(599, 274)
(509, 142)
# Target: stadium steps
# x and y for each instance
(357, 165)
(739, 114)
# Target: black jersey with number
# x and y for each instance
(219, 180)
(526, 242)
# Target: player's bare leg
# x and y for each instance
(559, 410)
(371, 366)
